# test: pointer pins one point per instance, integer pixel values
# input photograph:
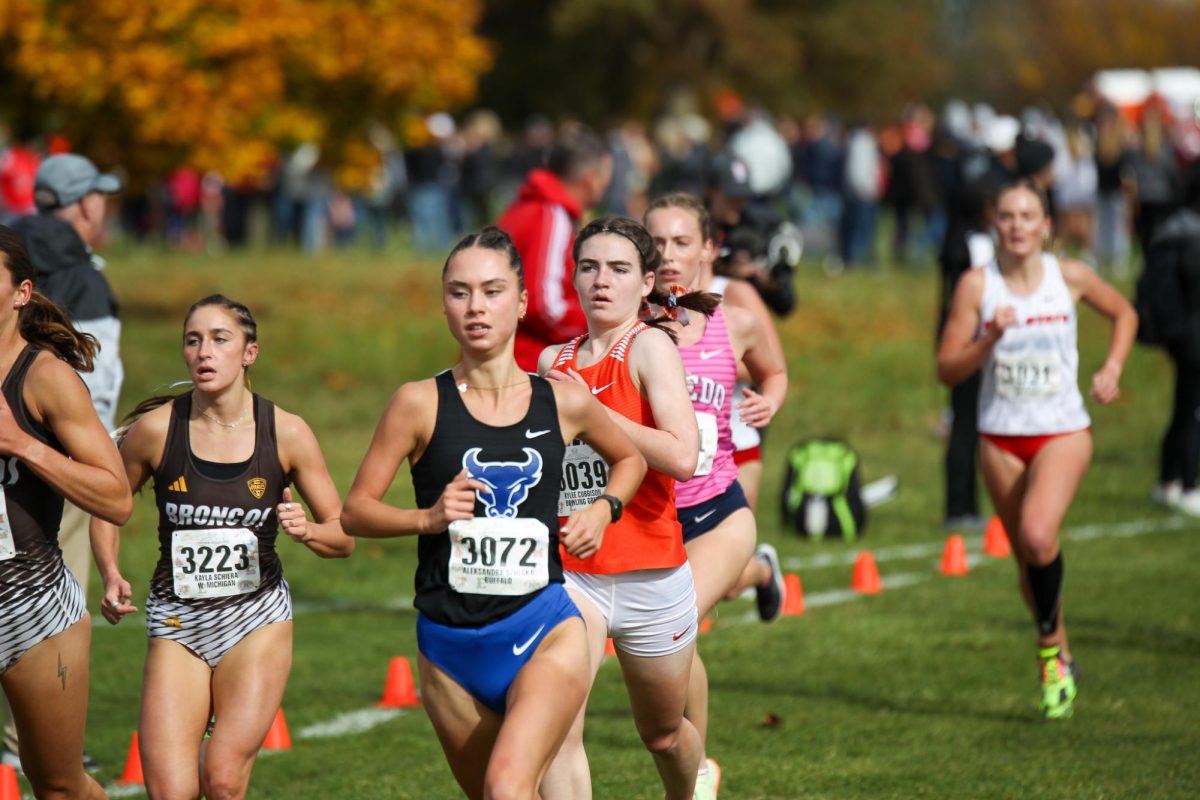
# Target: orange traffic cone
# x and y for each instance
(866, 575)
(793, 595)
(610, 649)
(278, 737)
(995, 540)
(706, 624)
(133, 765)
(954, 556)
(9, 788)
(399, 691)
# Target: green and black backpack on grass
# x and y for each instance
(821, 490)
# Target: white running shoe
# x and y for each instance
(1167, 494)
(1189, 503)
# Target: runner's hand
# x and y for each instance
(566, 376)
(583, 531)
(457, 502)
(1006, 317)
(115, 604)
(292, 518)
(755, 409)
(1106, 384)
(11, 435)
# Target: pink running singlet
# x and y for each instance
(711, 375)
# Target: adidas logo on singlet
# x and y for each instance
(180, 485)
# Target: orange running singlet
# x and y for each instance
(648, 535)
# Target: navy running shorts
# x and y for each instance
(701, 518)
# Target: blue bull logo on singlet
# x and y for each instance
(508, 482)
(705, 390)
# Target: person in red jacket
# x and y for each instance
(542, 222)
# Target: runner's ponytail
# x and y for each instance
(674, 305)
(41, 322)
(44, 324)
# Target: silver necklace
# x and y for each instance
(226, 425)
(462, 386)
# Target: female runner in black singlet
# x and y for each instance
(503, 655)
(219, 610)
(52, 446)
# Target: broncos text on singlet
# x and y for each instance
(711, 376)
(31, 509)
(216, 538)
(483, 569)
(1030, 384)
(648, 535)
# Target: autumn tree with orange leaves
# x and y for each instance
(1044, 51)
(223, 84)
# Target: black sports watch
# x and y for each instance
(617, 506)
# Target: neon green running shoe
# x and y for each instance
(1058, 684)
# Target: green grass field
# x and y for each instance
(928, 689)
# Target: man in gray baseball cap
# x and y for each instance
(68, 178)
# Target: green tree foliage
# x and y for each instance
(598, 58)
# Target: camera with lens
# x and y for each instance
(764, 250)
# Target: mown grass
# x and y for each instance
(924, 691)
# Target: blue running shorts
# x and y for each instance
(485, 661)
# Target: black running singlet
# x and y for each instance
(29, 554)
(484, 569)
(216, 538)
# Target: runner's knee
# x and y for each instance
(507, 784)
(56, 787)
(224, 781)
(171, 788)
(661, 742)
(1039, 540)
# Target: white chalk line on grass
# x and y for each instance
(349, 723)
(346, 724)
(362, 720)
(1103, 530)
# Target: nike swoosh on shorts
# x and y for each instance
(518, 650)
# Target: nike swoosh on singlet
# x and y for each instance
(677, 636)
(704, 516)
(705, 355)
(519, 650)
(599, 389)
(534, 434)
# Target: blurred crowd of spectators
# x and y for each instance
(1113, 176)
